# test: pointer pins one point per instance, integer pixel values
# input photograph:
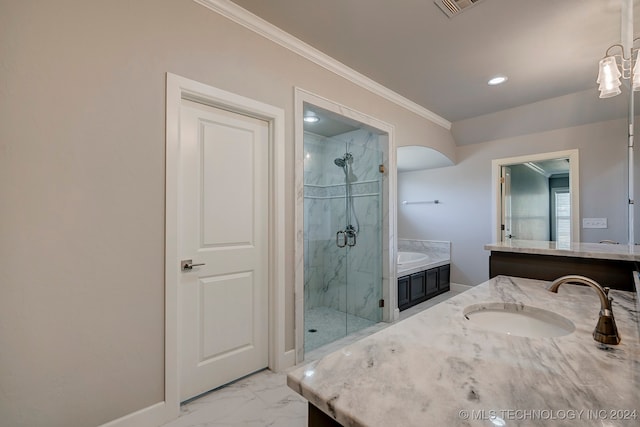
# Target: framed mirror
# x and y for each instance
(536, 197)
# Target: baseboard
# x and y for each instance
(151, 416)
(457, 287)
(159, 414)
(288, 359)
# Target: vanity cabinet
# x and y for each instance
(431, 277)
(317, 418)
(412, 290)
(613, 266)
(418, 287)
(616, 274)
(444, 274)
(404, 295)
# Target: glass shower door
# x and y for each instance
(342, 235)
(364, 213)
(325, 263)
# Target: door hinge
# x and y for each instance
(502, 180)
(381, 303)
(502, 227)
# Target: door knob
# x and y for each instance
(187, 265)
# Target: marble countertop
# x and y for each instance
(574, 249)
(436, 368)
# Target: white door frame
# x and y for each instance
(574, 186)
(179, 88)
(390, 311)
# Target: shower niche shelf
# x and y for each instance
(418, 287)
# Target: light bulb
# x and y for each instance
(610, 93)
(635, 83)
(609, 77)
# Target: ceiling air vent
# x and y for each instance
(452, 8)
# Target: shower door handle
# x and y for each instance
(344, 239)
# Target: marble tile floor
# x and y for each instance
(263, 399)
(259, 400)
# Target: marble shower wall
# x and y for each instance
(346, 279)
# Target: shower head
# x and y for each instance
(344, 161)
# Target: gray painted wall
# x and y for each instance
(82, 143)
(464, 216)
(561, 112)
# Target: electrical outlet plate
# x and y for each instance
(594, 222)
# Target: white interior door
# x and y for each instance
(223, 225)
(506, 204)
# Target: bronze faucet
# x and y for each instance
(606, 331)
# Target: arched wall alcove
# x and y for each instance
(416, 157)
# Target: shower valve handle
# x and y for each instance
(351, 238)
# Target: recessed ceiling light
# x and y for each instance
(311, 119)
(497, 80)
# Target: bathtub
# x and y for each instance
(407, 260)
(412, 262)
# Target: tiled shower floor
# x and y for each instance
(329, 325)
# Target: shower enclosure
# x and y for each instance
(343, 210)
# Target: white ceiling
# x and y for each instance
(547, 48)
(330, 124)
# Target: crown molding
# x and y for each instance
(241, 16)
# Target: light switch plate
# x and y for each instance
(594, 222)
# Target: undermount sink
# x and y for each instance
(517, 319)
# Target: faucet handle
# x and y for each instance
(606, 290)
